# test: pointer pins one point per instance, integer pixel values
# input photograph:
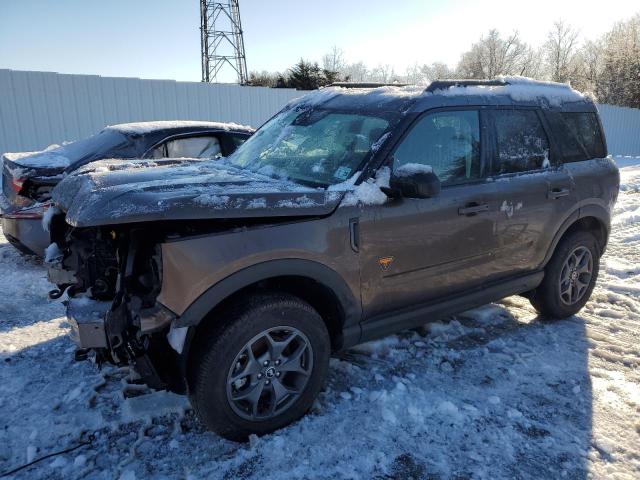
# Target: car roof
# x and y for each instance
(138, 129)
(502, 91)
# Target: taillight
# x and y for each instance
(16, 184)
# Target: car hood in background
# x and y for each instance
(111, 192)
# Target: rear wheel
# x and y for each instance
(569, 277)
(261, 369)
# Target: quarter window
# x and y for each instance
(448, 142)
(578, 135)
(521, 143)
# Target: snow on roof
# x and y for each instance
(140, 128)
(520, 89)
(388, 92)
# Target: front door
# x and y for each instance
(413, 251)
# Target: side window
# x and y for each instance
(578, 135)
(448, 142)
(193, 147)
(521, 143)
(159, 152)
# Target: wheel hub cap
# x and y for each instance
(269, 373)
(576, 275)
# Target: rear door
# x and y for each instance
(534, 191)
(416, 250)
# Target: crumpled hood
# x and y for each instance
(110, 192)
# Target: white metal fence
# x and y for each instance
(41, 108)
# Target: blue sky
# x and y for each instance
(160, 38)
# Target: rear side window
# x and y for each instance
(448, 142)
(188, 147)
(578, 135)
(521, 142)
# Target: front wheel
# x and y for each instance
(569, 277)
(261, 369)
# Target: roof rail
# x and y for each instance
(366, 84)
(444, 84)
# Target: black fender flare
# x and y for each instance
(318, 272)
(590, 210)
(206, 302)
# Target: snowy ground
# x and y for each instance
(493, 393)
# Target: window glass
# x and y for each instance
(521, 144)
(448, 142)
(159, 152)
(578, 135)
(193, 147)
(315, 146)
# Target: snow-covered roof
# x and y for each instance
(518, 89)
(140, 128)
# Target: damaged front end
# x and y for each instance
(112, 277)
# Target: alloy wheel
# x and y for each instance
(269, 373)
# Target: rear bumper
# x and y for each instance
(26, 234)
(86, 318)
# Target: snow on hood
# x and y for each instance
(141, 128)
(107, 192)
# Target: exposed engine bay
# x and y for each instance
(112, 278)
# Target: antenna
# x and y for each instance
(221, 40)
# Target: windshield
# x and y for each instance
(108, 141)
(317, 147)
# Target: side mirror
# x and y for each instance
(414, 183)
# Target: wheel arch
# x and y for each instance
(591, 218)
(320, 286)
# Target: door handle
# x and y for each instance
(354, 234)
(557, 192)
(473, 208)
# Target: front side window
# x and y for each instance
(319, 147)
(448, 142)
(521, 143)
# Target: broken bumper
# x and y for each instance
(87, 318)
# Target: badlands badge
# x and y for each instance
(385, 262)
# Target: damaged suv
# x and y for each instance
(351, 214)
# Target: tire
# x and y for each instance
(566, 287)
(235, 395)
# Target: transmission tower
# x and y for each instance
(221, 40)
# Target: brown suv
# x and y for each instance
(351, 214)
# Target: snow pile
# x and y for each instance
(369, 193)
(141, 128)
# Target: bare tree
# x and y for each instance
(355, 72)
(560, 52)
(493, 55)
(334, 60)
(619, 81)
